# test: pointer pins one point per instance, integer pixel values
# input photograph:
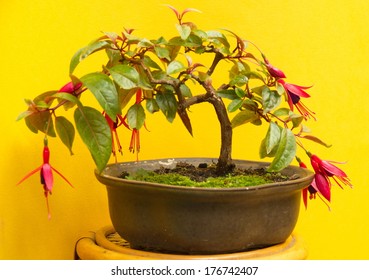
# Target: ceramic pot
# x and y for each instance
(202, 220)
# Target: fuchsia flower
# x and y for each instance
(70, 87)
(273, 71)
(321, 184)
(113, 125)
(328, 170)
(135, 142)
(46, 174)
(310, 189)
(135, 146)
(294, 94)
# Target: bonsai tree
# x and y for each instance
(143, 76)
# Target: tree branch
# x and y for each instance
(218, 57)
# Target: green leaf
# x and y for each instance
(145, 43)
(280, 89)
(45, 98)
(250, 104)
(95, 133)
(30, 126)
(257, 122)
(69, 97)
(24, 115)
(125, 96)
(285, 153)
(162, 52)
(235, 105)
(175, 67)
(65, 131)
(220, 38)
(150, 63)
(243, 117)
(240, 92)
(114, 57)
(193, 41)
(104, 91)
(203, 76)
(262, 150)
(239, 80)
(270, 143)
(184, 31)
(42, 121)
(258, 90)
(167, 104)
(281, 112)
(296, 120)
(160, 41)
(112, 36)
(227, 93)
(151, 105)
(185, 90)
(273, 137)
(136, 116)
(271, 99)
(125, 76)
(174, 51)
(82, 53)
(185, 119)
(316, 140)
(239, 67)
(255, 75)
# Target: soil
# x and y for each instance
(204, 171)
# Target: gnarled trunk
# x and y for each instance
(225, 156)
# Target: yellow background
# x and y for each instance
(315, 42)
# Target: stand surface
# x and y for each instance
(106, 244)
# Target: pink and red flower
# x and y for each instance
(46, 174)
(294, 94)
(328, 170)
(70, 87)
(113, 125)
(321, 184)
(273, 71)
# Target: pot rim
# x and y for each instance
(306, 176)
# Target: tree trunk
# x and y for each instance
(224, 164)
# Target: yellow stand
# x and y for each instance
(106, 244)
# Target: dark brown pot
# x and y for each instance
(198, 220)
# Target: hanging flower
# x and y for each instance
(294, 94)
(273, 71)
(311, 189)
(134, 146)
(136, 123)
(70, 87)
(328, 170)
(113, 125)
(46, 173)
(321, 184)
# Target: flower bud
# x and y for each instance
(70, 87)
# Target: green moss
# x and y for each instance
(218, 182)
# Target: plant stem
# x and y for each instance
(224, 164)
(225, 157)
(218, 57)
